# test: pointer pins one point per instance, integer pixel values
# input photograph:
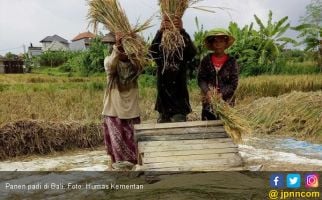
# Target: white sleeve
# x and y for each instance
(111, 61)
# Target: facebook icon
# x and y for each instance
(277, 180)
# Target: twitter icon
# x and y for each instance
(293, 181)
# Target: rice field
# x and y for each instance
(44, 97)
(78, 100)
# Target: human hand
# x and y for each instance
(165, 24)
(209, 95)
(118, 38)
(218, 93)
(177, 21)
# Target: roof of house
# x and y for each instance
(109, 38)
(83, 36)
(54, 38)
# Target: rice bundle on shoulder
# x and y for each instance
(112, 16)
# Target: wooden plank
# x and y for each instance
(177, 131)
(178, 158)
(173, 147)
(185, 148)
(189, 152)
(172, 137)
(183, 142)
(219, 162)
(178, 125)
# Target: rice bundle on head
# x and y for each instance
(112, 16)
(235, 124)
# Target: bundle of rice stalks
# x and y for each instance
(41, 137)
(172, 41)
(112, 16)
(235, 124)
(296, 113)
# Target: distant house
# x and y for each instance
(2, 71)
(109, 38)
(54, 43)
(81, 41)
(34, 51)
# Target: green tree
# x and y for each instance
(199, 37)
(313, 13)
(53, 58)
(245, 48)
(93, 58)
(10, 56)
(311, 30)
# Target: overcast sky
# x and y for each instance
(29, 21)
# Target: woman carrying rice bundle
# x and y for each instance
(218, 72)
(124, 65)
(121, 107)
(172, 93)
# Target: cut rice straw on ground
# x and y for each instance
(297, 113)
(235, 124)
(112, 16)
(26, 137)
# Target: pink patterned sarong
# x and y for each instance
(119, 138)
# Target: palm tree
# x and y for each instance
(273, 39)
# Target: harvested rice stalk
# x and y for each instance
(28, 137)
(172, 41)
(295, 113)
(235, 124)
(112, 16)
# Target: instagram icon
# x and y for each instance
(312, 181)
